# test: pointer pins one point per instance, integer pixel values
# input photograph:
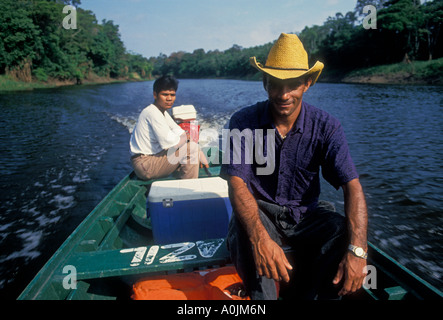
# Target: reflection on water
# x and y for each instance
(62, 150)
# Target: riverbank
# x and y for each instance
(411, 72)
(7, 84)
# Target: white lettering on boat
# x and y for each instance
(151, 255)
(138, 256)
(206, 249)
(174, 256)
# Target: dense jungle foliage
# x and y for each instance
(405, 30)
(35, 45)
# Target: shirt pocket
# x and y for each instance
(302, 182)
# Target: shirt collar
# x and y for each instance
(266, 118)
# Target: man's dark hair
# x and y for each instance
(165, 83)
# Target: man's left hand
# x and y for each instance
(352, 270)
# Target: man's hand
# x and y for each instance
(270, 260)
(351, 268)
(352, 271)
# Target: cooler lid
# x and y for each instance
(188, 189)
(184, 112)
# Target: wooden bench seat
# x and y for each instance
(149, 259)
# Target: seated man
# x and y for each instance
(280, 209)
(158, 145)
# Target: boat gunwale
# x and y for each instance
(66, 249)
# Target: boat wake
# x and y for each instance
(126, 121)
(210, 127)
(32, 214)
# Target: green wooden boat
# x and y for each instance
(113, 248)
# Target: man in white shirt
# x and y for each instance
(158, 145)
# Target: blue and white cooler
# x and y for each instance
(189, 209)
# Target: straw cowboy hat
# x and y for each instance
(288, 59)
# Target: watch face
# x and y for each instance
(359, 252)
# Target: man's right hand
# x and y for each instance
(270, 259)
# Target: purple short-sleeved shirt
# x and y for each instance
(316, 140)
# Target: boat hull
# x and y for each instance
(113, 248)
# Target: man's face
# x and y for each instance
(164, 99)
(286, 95)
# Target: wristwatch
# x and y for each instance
(358, 251)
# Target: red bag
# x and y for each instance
(191, 128)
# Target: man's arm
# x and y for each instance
(184, 137)
(351, 268)
(270, 260)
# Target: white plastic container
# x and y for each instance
(189, 209)
(184, 113)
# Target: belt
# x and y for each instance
(137, 155)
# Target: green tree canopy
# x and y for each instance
(404, 28)
(34, 40)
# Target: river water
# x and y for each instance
(62, 150)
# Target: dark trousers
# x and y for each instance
(316, 246)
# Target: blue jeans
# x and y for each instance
(317, 245)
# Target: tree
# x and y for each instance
(74, 3)
(378, 4)
(312, 37)
(433, 19)
(20, 43)
(400, 21)
(336, 48)
(34, 42)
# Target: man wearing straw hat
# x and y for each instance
(280, 232)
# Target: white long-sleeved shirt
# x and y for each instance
(155, 131)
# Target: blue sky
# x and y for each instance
(151, 27)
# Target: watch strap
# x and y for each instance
(358, 251)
